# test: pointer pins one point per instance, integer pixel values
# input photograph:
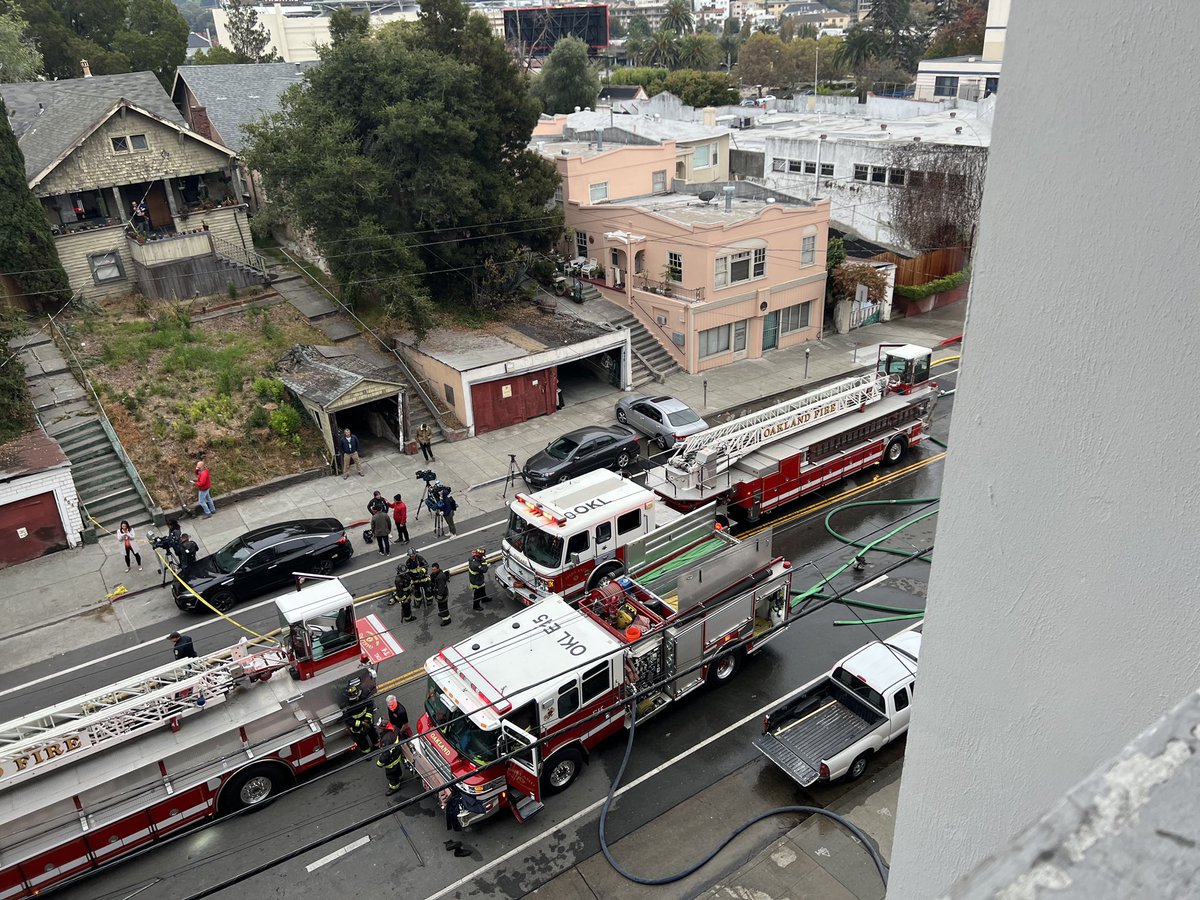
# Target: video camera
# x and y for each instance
(427, 475)
(167, 542)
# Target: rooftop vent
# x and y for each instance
(958, 130)
(953, 114)
(883, 126)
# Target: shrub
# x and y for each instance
(229, 378)
(184, 431)
(269, 389)
(271, 332)
(233, 291)
(218, 409)
(257, 419)
(929, 288)
(285, 421)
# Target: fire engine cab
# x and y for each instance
(513, 711)
(95, 777)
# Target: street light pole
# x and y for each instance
(807, 354)
(817, 173)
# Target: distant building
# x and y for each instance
(618, 92)
(968, 77)
(297, 29)
(39, 508)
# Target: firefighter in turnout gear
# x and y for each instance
(402, 594)
(440, 584)
(360, 719)
(477, 569)
(392, 760)
(418, 571)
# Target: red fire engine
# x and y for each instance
(756, 463)
(557, 673)
(88, 780)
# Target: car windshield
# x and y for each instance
(232, 555)
(562, 448)
(468, 739)
(683, 417)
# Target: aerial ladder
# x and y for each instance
(704, 455)
(75, 729)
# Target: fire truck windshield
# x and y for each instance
(538, 546)
(468, 739)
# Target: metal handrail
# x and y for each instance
(106, 423)
(239, 254)
(438, 413)
(669, 289)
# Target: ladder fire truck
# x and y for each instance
(575, 536)
(558, 674)
(760, 461)
(90, 779)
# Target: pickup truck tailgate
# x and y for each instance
(799, 746)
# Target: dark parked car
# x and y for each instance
(263, 559)
(583, 450)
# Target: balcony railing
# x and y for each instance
(668, 289)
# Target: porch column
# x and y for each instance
(119, 211)
(171, 201)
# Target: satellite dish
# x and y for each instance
(705, 196)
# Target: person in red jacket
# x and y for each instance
(203, 485)
(400, 515)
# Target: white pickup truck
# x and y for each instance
(834, 727)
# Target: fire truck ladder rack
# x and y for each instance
(77, 728)
(708, 453)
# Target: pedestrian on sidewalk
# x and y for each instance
(439, 583)
(402, 594)
(381, 527)
(449, 505)
(188, 551)
(128, 543)
(477, 568)
(400, 515)
(348, 445)
(418, 571)
(424, 437)
(203, 485)
(182, 645)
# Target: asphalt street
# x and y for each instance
(698, 744)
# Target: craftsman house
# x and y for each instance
(96, 149)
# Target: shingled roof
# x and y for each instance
(324, 374)
(50, 117)
(237, 95)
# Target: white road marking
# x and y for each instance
(338, 854)
(757, 714)
(161, 641)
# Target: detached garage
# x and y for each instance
(511, 373)
(39, 510)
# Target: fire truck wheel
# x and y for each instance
(253, 786)
(605, 574)
(223, 600)
(561, 769)
(894, 451)
(724, 668)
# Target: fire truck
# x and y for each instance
(547, 683)
(93, 778)
(572, 537)
(758, 462)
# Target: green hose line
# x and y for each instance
(882, 621)
(683, 559)
(941, 444)
(857, 503)
(878, 607)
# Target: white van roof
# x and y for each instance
(583, 500)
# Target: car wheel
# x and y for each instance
(563, 478)
(858, 767)
(623, 459)
(254, 786)
(561, 770)
(322, 567)
(223, 600)
(661, 441)
(621, 417)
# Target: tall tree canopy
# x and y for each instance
(248, 38)
(155, 38)
(961, 31)
(405, 155)
(568, 78)
(20, 59)
(27, 252)
(677, 17)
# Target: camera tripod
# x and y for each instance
(439, 524)
(425, 495)
(514, 472)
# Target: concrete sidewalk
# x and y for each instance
(58, 602)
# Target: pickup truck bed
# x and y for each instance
(815, 726)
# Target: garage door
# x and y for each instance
(37, 518)
(508, 401)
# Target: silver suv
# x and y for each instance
(665, 419)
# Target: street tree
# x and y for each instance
(763, 61)
(662, 49)
(652, 79)
(66, 31)
(962, 35)
(20, 59)
(938, 205)
(696, 88)
(155, 38)
(28, 255)
(677, 17)
(217, 55)
(639, 27)
(568, 78)
(405, 155)
(699, 51)
(248, 38)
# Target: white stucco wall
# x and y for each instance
(1062, 610)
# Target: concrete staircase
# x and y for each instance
(105, 489)
(651, 360)
(590, 292)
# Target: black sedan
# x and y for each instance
(263, 559)
(580, 451)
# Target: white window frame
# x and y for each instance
(598, 192)
(862, 172)
(945, 86)
(721, 271)
(779, 164)
(758, 266)
(675, 264)
(110, 260)
(558, 196)
(145, 140)
(721, 336)
(795, 318)
(658, 182)
(736, 259)
(124, 139)
(826, 170)
(716, 154)
(808, 250)
(740, 329)
(708, 163)
(581, 244)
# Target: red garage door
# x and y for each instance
(37, 518)
(508, 401)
